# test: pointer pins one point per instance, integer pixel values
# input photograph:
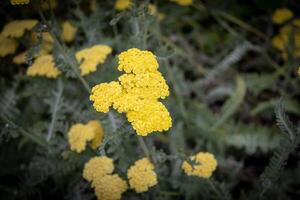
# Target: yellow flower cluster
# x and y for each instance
(68, 32)
(91, 57)
(108, 186)
(7, 46)
(142, 175)
(299, 71)
(123, 4)
(281, 15)
(18, 2)
(183, 2)
(44, 66)
(205, 165)
(80, 134)
(137, 93)
(289, 34)
(17, 28)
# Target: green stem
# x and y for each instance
(144, 146)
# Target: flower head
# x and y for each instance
(79, 135)
(97, 167)
(123, 4)
(68, 32)
(183, 2)
(18, 2)
(142, 175)
(44, 66)
(20, 58)
(205, 165)
(281, 15)
(91, 57)
(17, 28)
(7, 46)
(137, 93)
(110, 187)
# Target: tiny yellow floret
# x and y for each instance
(68, 32)
(97, 167)
(91, 57)
(205, 165)
(123, 4)
(141, 175)
(17, 28)
(281, 15)
(20, 58)
(43, 66)
(19, 2)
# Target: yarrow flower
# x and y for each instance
(7, 46)
(97, 167)
(79, 135)
(43, 66)
(17, 28)
(108, 186)
(281, 15)
(91, 57)
(68, 32)
(136, 93)
(183, 2)
(205, 165)
(19, 2)
(123, 4)
(142, 175)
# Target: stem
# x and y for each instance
(63, 51)
(143, 146)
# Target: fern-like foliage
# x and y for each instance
(288, 145)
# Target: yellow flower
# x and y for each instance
(137, 61)
(281, 15)
(91, 57)
(20, 58)
(148, 117)
(153, 11)
(17, 28)
(98, 133)
(80, 134)
(205, 165)
(123, 4)
(18, 2)
(141, 175)
(279, 42)
(44, 66)
(97, 167)
(110, 187)
(183, 2)
(68, 32)
(7, 46)
(45, 4)
(136, 93)
(104, 95)
(299, 71)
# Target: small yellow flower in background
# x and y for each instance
(91, 57)
(97, 167)
(153, 11)
(141, 175)
(123, 4)
(79, 135)
(45, 4)
(44, 66)
(299, 71)
(136, 93)
(7, 46)
(183, 2)
(19, 2)
(205, 165)
(17, 28)
(68, 32)
(281, 15)
(279, 42)
(108, 186)
(20, 58)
